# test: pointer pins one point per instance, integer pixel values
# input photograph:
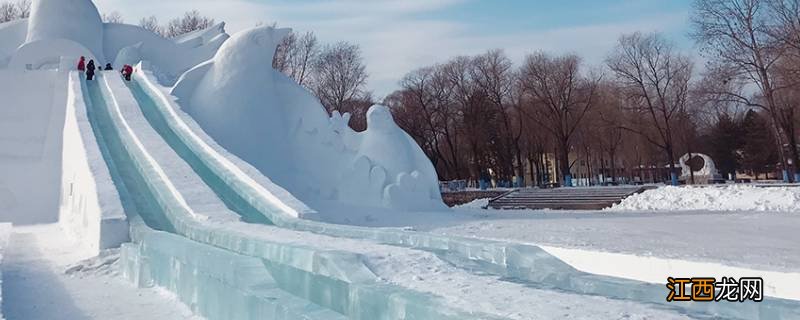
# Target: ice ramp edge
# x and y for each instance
(339, 281)
(278, 199)
(90, 209)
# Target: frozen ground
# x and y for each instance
(45, 277)
(762, 240)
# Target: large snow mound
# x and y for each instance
(265, 118)
(711, 198)
(75, 20)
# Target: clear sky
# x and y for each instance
(398, 36)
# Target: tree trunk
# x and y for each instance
(564, 163)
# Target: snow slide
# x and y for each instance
(318, 275)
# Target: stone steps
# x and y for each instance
(564, 198)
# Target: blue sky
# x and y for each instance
(397, 36)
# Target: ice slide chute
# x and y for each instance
(153, 257)
(529, 264)
(332, 280)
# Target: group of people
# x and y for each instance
(89, 69)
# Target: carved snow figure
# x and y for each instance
(265, 118)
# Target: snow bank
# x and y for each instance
(90, 211)
(474, 204)
(266, 119)
(727, 198)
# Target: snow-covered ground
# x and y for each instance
(765, 240)
(46, 277)
(731, 236)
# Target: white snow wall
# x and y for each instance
(91, 211)
(31, 125)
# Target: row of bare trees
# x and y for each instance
(640, 110)
(335, 73)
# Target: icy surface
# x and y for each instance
(663, 235)
(277, 126)
(714, 198)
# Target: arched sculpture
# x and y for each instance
(699, 166)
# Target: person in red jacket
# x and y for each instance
(127, 72)
(82, 64)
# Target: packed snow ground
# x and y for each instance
(761, 240)
(715, 198)
(46, 277)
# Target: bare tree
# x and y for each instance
(740, 37)
(657, 78)
(23, 8)
(151, 24)
(8, 12)
(561, 98)
(296, 55)
(339, 76)
(191, 21)
(476, 116)
(113, 17)
(493, 73)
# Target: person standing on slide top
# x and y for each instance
(82, 64)
(90, 70)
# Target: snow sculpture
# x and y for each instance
(700, 166)
(60, 31)
(64, 28)
(265, 118)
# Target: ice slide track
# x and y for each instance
(196, 259)
(150, 226)
(517, 263)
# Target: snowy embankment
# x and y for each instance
(713, 198)
(90, 212)
(5, 233)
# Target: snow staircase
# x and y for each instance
(564, 198)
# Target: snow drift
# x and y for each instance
(277, 126)
(728, 198)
